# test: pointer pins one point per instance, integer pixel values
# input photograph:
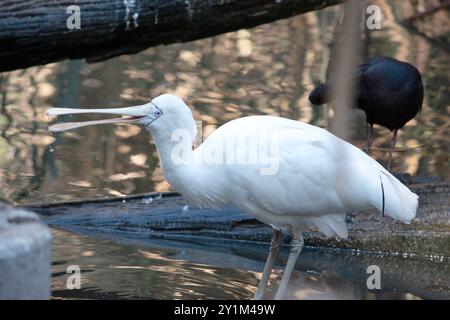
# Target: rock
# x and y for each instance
(25, 259)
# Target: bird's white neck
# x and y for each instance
(175, 154)
(186, 175)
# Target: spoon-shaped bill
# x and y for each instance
(60, 127)
(138, 111)
(133, 114)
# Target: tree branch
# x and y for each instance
(35, 32)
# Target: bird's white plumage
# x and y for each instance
(320, 178)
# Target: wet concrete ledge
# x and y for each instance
(165, 216)
(24, 255)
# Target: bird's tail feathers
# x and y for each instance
(394, 198)
(331, 225)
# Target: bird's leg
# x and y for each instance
(369, 136)
(391, 149)
(275, 244)
(296, 248)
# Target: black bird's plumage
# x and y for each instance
(389, 91)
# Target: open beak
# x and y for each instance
(129, 115)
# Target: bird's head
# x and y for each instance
(161, 116)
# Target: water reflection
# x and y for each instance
(117, 271)
(266, 70)
(125, 271)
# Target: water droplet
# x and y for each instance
(185, 209)
(51, 149)
(147, 200)
(124, 201)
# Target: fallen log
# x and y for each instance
(167, 216)
(39, 32)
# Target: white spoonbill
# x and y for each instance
(308, 177)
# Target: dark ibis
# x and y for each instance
(389, 91)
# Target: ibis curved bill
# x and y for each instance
(283, 172)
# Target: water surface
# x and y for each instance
(139, 270)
